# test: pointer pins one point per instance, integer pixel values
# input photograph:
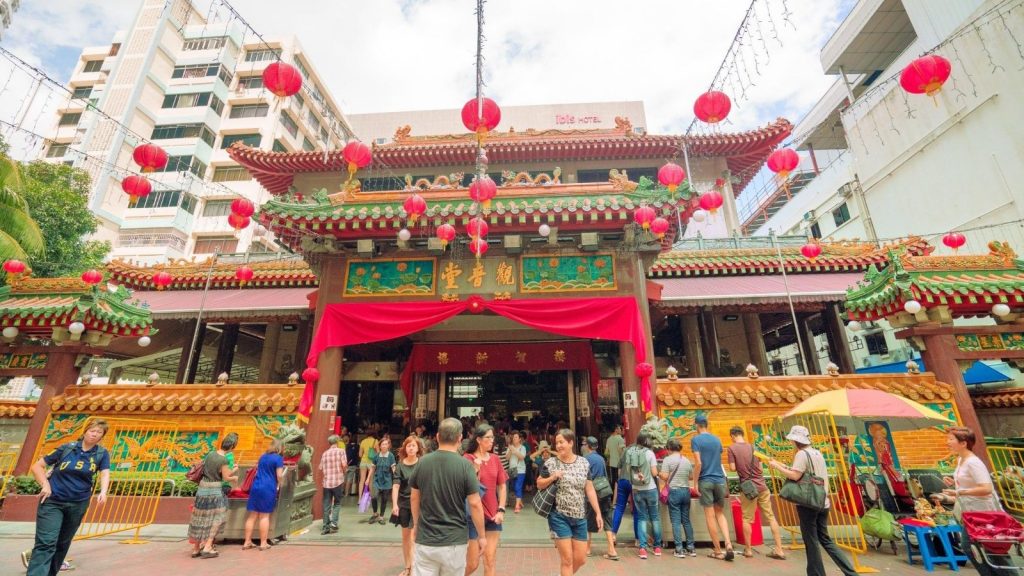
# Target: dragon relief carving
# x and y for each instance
(620, 180)
(402, 133)
(513, 178)
(441, 182)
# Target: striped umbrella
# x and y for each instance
(852, 407)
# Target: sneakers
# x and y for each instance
(692, 552)
(25, 557)
(679, 553)
(642, 554)
(66, 566)
(657, 550)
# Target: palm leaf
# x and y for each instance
(9, 248)
(17, 224)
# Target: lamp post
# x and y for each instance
(199, 317)
(789, 299)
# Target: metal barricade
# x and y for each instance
(1008, 476)
(8, 458)
(140, 457)
(843, 518)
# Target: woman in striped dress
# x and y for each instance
(211, 504)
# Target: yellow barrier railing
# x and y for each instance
(843, 518)
(1008, 475)
(140, 456)
(8, 458)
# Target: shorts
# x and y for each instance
(365, 465)
(605, 504)
(489, 526)
(763, 501)
(404, 517)
(439, 560)
(564, 527)
(712, 494)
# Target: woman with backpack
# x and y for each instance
(64, 495)
(211, 505)
(642, 469)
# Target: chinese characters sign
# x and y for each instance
(24, 361)
(986, 342)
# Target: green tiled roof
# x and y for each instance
(38, 305)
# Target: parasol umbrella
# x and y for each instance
(852, 407)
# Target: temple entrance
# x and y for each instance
(519, 397)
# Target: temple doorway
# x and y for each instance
(521, 398)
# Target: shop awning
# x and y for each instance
(228, 304)
(766, 289)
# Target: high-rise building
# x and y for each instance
(7, 9)
(194, 88)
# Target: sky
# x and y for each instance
(394, 55)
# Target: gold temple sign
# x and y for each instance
(986, 342)
(24, 361)
(504, 275)
(451, 273)
(477, 276)
(404, 276)
(559, 273)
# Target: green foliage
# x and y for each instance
(20, 235)
(58, 197)
(25, 485)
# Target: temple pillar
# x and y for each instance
(755, 341)
(838, 345)
(709, 342)
(632, 418)
(268, 356)
(183, 362)
(321, 422)
(302, 342)
(61, 372)
(692, 346)
(809, 352)
(225, 351)
(939, 358)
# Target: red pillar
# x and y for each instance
(939, 359)
(60, 373)
(321, 422)
(633, 418)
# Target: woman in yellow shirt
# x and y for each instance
(367, 452)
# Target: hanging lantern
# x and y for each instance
(11, 332)
(912, 306)
(544, 230)
(811, 250)
(162, 280)
(239, 222)
(150, 157)
(711, 201)
(414, 207)
(483, 122)
(926, 75)
(659, 226)
(954, 240)
(357, 155)
(477, 228)
(404, 235)
(644, 370)
(445, 233)
(243, 207)
(310, 375)
(14, 267)
(712, 107)
(92, 277)
(136, 187)
(1000, 309)
(699, 215)
(783, 161)
(282, 79)
(671, 176)
(144, 341)
(481, 190)
(854, 326)
(643, 216)
(478, 246)
(244, 275)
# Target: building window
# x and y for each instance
(56, 150)
(307, 145)
(152, 239)
(876, 343)
(217, 105)
(217, 208)
(841, 214)
(313, 122)
(202, 71)
(815, 230)
(262, 55)
(601, 174)
(183, 163)
(279, 146)
(231, 174)
(187, 100)
(251, 140)
(159, 199)
(114, 49)
(299, 101)
(174, 131)
(92, 66)
(211, 244)
(70, 119)
(82, 92)
(323, 135)
(224, 76)
(249, 110)
(250, 82)
(204, 43)
(289, 125)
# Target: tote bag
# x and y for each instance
(808, 491)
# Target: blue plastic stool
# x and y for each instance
(930, 556)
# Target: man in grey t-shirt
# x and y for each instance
(441, 485)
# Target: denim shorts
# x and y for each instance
(563, 526)
(489, 526)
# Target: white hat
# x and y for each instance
(543, 444)
(799, 434)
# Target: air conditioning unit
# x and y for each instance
(846, 190)
(809, 216)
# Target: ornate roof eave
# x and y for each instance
(744, 151)
(40, 305)
(171, 399)
(192, 275)
(967, 285)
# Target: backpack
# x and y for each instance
(639, 467)
(66, 449)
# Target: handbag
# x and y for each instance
(544, 500)
(602, 487)
(195, 473)
(364, 500)
(747, 487)
(808, 491)
(663, 494)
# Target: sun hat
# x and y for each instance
(543, 444)
(799, 434)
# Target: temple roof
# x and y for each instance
(197, 399)
(192, 275)
(744, 152)
(968, 285)
(17, 409)
(1003, 398)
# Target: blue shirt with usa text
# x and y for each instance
(72, 476)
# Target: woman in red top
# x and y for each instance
(493, 492)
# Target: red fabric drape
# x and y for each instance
(612, 318)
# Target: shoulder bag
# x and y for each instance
(195, 473)
(602, 487)
(663, 495)
(544, 500)
(808, 491)
(747, 487)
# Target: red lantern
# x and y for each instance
(482, 190)
(811, 250)
(445, 233)
(712, 107)
(644, 215)
(162, 280)
(711, 201)
(282, 79)
(239, 222)
(14, 266)
(310, 375)
(477, 228)
(136, 187)
(92, 277)
(478, 246)
(671, 176)
(357, 155)
(243, 207)
(481, 123)
(783, 161)
(926, 75)
(414, 206)
(644, 370)
(954, 240)
(659, 226)
(244, 275)
(150, 157)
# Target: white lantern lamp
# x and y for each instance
(76, 328)
(404, 234)
(11, 332)
(1001, 309)
(144, 341)
(699, 215)
(544, 230)
(854, 326)
(912, 306)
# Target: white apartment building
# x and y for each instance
(193, 88)
(7, 9)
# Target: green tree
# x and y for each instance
(20, 235)
(58, 196)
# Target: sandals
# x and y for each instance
(748, 554)
(776, 556)
(729, 555)
(717, 555)
(406, 572)
(249, 546)
(262, 548)
(614, 557)
(208, 554)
